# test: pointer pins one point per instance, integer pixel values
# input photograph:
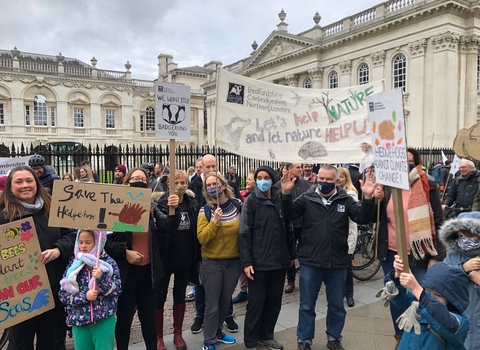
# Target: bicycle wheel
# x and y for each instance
(364, 264)
(3, 338)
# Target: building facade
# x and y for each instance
(427, 48)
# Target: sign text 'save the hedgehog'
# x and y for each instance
(95, 206)
(172, 117)
(24, 287)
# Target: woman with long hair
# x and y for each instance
(137, 255)
(24, 196)
(86, 174)
(67, 177)
(218, 227)
(345, 182)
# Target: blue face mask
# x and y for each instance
(264, 185)
(325, 187)
(467, 244)
(213, 191)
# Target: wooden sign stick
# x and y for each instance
(171, 211)
(400, 231)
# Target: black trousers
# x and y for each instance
(297, 231)
(137, 294)
(264, 304)
(179, 287)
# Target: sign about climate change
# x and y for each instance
(93, 206)
(24, 288)
(387, 122)
(267, 121)
(172, 116)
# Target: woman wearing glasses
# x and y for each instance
(138, 257)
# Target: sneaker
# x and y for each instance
(271, 344)
(209, 347)
(304, 346)
(225, 339)
(241, 297)
(335, 345)
(232, 326)
(190, 296)
(197, 325)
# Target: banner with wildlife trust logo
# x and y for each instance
(24, 287)
(172, 115)
(274, 122)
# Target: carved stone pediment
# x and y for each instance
(280, 48)
(445, 41)
(469, 44)
(378, 58)
(418, 48)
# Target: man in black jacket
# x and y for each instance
(323, 251)
(464, 187)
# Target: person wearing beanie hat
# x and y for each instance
(120, 171)
(267, 249)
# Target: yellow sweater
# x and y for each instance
(219, 241)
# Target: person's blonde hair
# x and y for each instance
(348, 180)
(89, 172)
(228, 190)
(179, 174)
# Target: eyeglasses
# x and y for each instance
(138, 179)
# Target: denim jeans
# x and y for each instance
(387, 267)
(311, 279)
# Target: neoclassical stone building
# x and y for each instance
(427, 48)
(56, 99)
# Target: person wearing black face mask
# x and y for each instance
(137, 255)
(323, 250)
(423, 218)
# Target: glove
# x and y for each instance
(388, 292)
(442, 188)
(410, 318)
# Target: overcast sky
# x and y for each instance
(194, 32)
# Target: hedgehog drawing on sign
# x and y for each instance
(312, 149)
(232, 131)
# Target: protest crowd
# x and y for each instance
(213, 233)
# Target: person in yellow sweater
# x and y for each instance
(218, 226)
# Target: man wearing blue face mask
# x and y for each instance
(323, 248)
(267, 249)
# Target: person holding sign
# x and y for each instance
(90, 291)
(24, 196)
(423, 218)
(323, 251)
(138, 257)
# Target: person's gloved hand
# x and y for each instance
(388, 292)
(410, 318)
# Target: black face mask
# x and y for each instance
(139, 184)
(411, 167)
(164, 178)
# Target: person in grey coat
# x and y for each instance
(461, 238)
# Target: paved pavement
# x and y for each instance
(368, 325)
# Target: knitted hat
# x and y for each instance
(448, 162)
(266, 168)
(122, 168)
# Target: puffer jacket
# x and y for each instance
(326, 227)
(266, 237)
(49, 175)
(109, 289)
(456, 257)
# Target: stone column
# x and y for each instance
(378, 64)
(468, 81)
(417, 128)
(344, 79)
(445, 90)
(316, 74)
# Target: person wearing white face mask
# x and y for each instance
(267, 249)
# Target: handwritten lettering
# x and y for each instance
(8, 253)
(4, 269)
(29, 285)
(77, 194)
(62, 212)
(7, 311)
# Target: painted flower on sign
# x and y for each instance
(26, 236)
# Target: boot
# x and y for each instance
(178, 314)
(397, 338)
(159, 326)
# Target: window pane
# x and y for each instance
(27, 115)
(308, 84)
(2, 114)
(478, 73)
(110, 119)
(52, 116)
(40, 111)
(142, 123)
(400, 72)
(78, 117)
(150, 119)
(363, 74)
(333, 80)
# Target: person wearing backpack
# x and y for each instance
(437, 171)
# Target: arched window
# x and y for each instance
(363, 74)
(308, 83)
(150, 119)
(400, 72)
(333, 80)
(40, 115)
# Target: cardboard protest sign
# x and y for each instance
(387, 123)
(93, 206)
(24, 288)
(172, 117)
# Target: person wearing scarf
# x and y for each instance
(24, 196)
(90, 290)
(423, 218)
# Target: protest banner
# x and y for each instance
(267, 121)
(172, 120)
(387, 123)
(93, 206)
(24, 287)
(7, 164)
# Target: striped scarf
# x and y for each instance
(421, 223)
